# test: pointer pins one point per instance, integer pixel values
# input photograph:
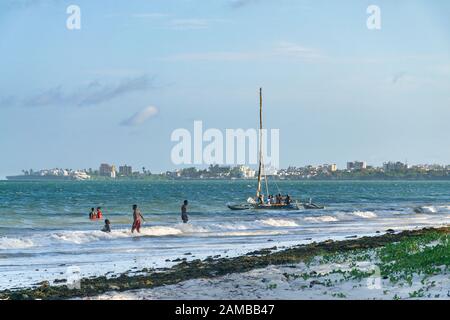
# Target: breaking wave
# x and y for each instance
(79, 237)
(279, 222)
(15, 243)
(321, 219)
(365, 214)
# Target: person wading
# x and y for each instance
(137, 218)
(184, 215)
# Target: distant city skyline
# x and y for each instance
(126, 169)
(114, 90)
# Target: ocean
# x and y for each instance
(45, 233)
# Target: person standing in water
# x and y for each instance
(99, 213)
(92, 215)
(184, 215)
(137, 218)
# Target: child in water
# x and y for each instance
(107, 227)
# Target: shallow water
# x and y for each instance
(45, 232)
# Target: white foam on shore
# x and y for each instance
(251, 233)
(79, 237)
(320, 219)
(230, 226)
(365, 214)
(159, 231)
(15, 243)
(278, 222)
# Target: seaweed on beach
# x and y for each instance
(425, 257)
(391, 245)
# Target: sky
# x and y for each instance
(114, 90)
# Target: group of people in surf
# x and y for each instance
(97, 214)
(137, 217)
(275, 200)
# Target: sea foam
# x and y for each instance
(278, 222)
(365, 214)
(321, 219)
(80, 237)
(15, 243)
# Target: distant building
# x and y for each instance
(246, 172)
(107, 170)
(356, 165)
(394, 166)
(125, 170)
(332, 167)
(271, 171)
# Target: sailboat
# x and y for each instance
(258, 202)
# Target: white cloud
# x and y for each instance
(284, 50)
(92, 93)
(140, 117)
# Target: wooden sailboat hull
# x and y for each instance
(291, 206)
(240, 207)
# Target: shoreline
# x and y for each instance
(161, 179)
(213, 268)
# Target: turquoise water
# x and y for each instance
(44, 226)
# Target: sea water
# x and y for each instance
(45, 232)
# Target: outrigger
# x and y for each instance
(258, 203)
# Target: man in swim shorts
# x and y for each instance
(137, 218)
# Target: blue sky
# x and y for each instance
(116, 89)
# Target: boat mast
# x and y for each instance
(258, 191)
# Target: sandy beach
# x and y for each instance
(286, 283)
(356, 275)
